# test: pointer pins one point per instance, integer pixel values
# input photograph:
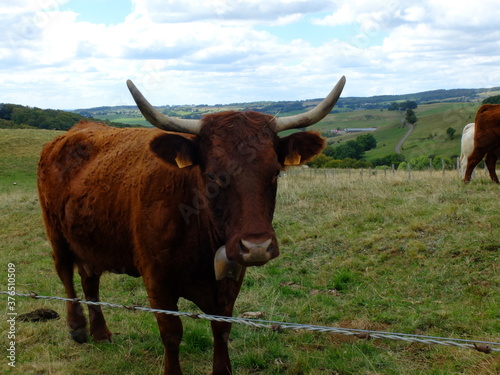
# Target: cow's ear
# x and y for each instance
(175, 149)
(299, 148)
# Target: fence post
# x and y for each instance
(430, 165)
(443, 165)
(409, 172)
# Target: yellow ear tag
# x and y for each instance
(293, 159)
(183, 162)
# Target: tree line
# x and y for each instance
(492, 100)
(351, 155)
(15, 116)
(347, 155)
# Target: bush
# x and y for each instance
(389, 160)
(319, 161)
(437, 163)
(422, 163)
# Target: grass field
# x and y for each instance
(358, 250)
(429, 137)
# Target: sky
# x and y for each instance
(72, 54)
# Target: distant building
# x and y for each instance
(357, 130)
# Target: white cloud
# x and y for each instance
(251, 11)
(187, 51)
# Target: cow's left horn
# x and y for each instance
(160, 120)
(316, 114)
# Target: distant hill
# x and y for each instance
(437, 111)
(15, 116)
(426, 97)
(131, 115)
(19, 116)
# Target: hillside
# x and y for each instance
(15, 116)
(19, 153)
(130, 114)
(426, 97)
(437, 111)
(428, 139)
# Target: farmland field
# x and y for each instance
(385, 252)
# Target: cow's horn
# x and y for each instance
(224, 267)
(160, 120)
(316, 114)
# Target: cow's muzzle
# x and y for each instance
(251, 254)
(255, 254)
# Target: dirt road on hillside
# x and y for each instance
(411, 127)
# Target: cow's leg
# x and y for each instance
(222, 363)
(64, 265)
(90, 284)
(220, 304)
(463, 164)
(491, 161)
(160, 297)
(474, 159)
(171, 336)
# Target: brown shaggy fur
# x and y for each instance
(116, 200)
(486, 140)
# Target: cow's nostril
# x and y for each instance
(255, 253)
(249, 247)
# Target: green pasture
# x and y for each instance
(124, 119)
(19, 153)
(385, 252)
(428, 139)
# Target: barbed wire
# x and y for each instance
(480, 346)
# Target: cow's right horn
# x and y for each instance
(160, 120)
(313, 116)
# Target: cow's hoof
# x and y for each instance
(79, 335)
(102, 337)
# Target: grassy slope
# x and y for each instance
(19, 153)
(433, 119)
(383, 253)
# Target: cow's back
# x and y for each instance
(93, 186)
(487, 117)
(487, 128)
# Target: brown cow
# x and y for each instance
(486, 140)
(187, 212)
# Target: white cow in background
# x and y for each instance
(467, 146)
